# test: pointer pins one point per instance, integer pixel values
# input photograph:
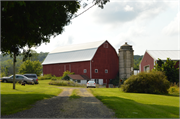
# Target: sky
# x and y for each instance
(144, 24)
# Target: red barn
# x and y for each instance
(96, 60)
(151, 56)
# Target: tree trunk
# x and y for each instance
(14, 59)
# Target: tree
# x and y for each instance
(31, 67)
(31, 23)
(168, 68)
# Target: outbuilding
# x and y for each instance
(96, 60)
(151, 57)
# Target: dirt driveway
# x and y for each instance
(62, 107)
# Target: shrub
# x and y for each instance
(154, 82)
(65, 83)
(174, 90)
(45, 77)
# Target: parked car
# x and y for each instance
(32, 76)
(18, 78)
(91, 84)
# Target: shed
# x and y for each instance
(151, 56)
(97, 60)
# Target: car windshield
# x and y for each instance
(91, 81)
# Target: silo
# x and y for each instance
(126, 61)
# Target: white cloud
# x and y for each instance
(128, 8)
(172, 27)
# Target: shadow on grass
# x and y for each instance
(12, 103)
(127, 108)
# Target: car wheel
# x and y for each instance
(25, 82)
(5, 81)
(87, 87)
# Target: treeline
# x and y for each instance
(137, 60)
(7, 62)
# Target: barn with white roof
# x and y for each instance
(95, 60)
(151, 56)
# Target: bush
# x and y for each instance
(65, 83)
(174, 90)
(154, 82)
(45, 77)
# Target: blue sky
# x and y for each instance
(144, 24)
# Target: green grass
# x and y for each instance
(74, 94)
(23, 97)
(138, 105)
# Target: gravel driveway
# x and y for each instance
(62, 107)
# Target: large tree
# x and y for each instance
(31, 23)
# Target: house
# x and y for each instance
(97, 60)
(151, 57)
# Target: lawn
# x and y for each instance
(138, 105)
(23, 97)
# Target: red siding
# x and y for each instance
(76, 67)
(177, 64)
(147, 60)
(105, 58)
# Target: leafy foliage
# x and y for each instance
(30, 23)
(152, 82)
(168, 68)
(137, 60)
(115, 81)
(31, 67)
(65, 75)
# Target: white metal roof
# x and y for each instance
(164, 54)
(73, 53)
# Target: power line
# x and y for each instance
(83, 11)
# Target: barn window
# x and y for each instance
(79, 81)
(96, 70)
(106, 71)
(85, 71)
(105, 45)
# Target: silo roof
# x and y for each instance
(73, 53)
(164, 54)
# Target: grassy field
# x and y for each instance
(23, 97)
(137, 105)
(74, 94)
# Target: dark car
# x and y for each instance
(32, 76)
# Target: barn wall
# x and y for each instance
(177, 64)
(58, 69)
(147, 60)
(105, 58)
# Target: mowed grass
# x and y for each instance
(138, 105)
(75, 94)
(23, 97)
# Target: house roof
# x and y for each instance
(73, 53)
(78, 77)
(164, 54)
